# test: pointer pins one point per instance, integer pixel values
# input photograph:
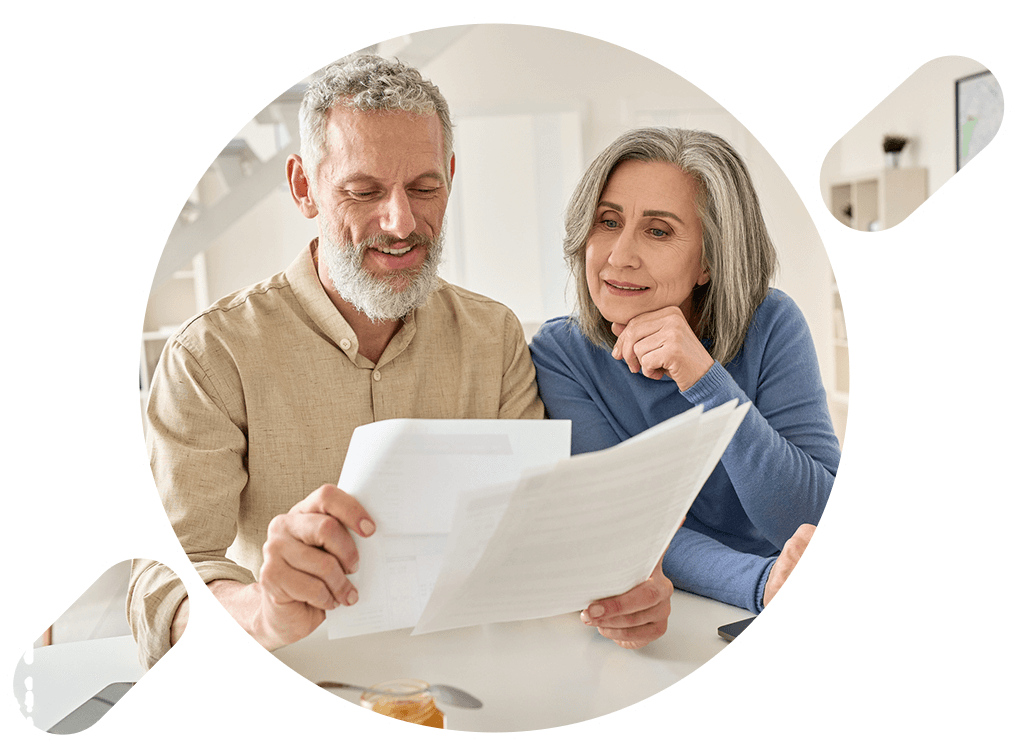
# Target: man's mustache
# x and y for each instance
(415, 239)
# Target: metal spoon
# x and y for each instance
(446, 694)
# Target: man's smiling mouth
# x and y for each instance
(394, 252)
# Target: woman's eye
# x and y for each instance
(610, 223)
(659, 233)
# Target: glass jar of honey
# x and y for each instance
(408, 700)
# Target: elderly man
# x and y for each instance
(255, 399)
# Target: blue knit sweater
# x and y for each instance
(776, 473)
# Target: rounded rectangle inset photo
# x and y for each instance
(912, 142)
(84, 663)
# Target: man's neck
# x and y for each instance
(372, 337)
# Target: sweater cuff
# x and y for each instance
(760, 589)
(708, 385)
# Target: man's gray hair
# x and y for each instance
(367, 83)
(736, 248)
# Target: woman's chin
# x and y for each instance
(620, 315)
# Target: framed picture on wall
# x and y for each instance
(978, 114)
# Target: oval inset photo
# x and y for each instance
(473, 368)
(899, 154)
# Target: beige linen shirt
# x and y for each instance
(255, 399)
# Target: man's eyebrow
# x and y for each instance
(361, 176)
(645, 214)
(436, 175)
(358, 176)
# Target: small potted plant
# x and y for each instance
(893, 145)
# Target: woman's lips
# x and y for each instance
(624, 288)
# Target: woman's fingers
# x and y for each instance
(660, 343)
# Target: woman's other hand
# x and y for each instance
(660, 343)
(637, 617)
(787, 561)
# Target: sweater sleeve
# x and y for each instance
(569, 398)
(696, 563)
(783, 458)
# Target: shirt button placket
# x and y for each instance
(377, 396)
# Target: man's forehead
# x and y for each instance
(348, 126)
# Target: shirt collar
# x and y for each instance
(303, 277)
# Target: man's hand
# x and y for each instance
(637, 617)
(307, 556)
(660, 343)
(787, 561)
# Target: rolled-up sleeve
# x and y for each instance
(153, 596)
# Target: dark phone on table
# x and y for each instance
(731, 631)
(92, 710)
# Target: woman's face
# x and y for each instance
(644, 252)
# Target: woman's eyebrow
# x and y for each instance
(645, 214)
(661, 214)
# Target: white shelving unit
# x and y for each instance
(880, 200)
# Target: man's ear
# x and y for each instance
(451, 171)
(299, 186)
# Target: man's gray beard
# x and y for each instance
(372, 296)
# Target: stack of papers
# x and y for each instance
(491, 521)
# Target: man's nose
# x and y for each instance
(397, 216)
(624, 252)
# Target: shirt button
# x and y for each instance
(345, 344)
(377, 375)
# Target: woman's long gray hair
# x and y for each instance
(736, 248)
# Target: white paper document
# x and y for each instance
(592, 527)
(469, 533)
(409, 474)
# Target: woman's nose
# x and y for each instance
(624, 252)
(397, 216)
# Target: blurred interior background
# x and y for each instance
(100, 612)
(531, 108)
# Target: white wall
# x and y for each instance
(503, 244)
(923, 109)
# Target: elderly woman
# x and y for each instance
(672, 264)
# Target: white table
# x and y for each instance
(55, 680)
(529, 675)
